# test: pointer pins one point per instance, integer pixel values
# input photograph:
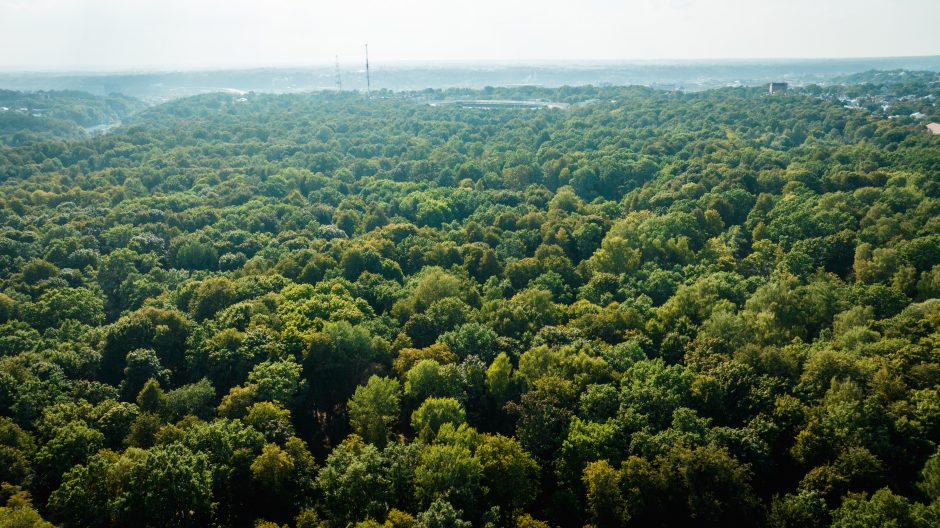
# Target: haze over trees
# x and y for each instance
(32, 117)
(651, 308)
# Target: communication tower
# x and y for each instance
(368, 81)
(339, 79)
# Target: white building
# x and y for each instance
(778, 87)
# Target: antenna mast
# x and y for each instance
(368, 81)
(339, 80)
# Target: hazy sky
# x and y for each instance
(128, 34)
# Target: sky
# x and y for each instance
(108, 35)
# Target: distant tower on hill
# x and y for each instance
(339, 80)
(778, 87)
(368, 81)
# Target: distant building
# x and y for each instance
(918, 115)
(778, 87)
(934, 127)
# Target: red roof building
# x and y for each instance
(934, 127)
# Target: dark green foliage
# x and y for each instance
(649, 309)
(163, 486)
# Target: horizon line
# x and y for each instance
(399, 63)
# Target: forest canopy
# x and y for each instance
(327, 310)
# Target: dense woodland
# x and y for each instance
(322, 310)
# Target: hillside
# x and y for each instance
(34, 117)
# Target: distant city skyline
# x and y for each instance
(112, 35)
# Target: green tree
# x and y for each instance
(170, 486)
(605, 503)
(279, 381)
(17, 448)
(806, 508)
(69, 445)
(211, 296)
(354, 483)
(164, 486)
(435, 412)
(449, 472)
(54, 307)
(440, 514)
(19, 512)
(499, 378)
(141, 365)
(373, 408)
(151, 397)
(615, 256)
(196, 255)
(883, 508)
(273, 468)
(510, 475)
(930, 477)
